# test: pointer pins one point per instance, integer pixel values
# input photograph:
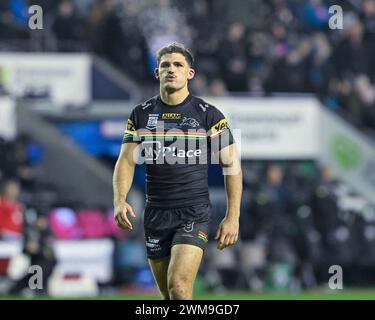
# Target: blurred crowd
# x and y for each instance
(297, 219)
(24, 201)
(32, 213)
(303, 218)
(257, 47)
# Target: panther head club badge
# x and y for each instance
(189, 226)
(189, 122)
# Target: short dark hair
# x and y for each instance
(175, 48)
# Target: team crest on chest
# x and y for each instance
(152, 121)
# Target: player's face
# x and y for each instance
(174, 72)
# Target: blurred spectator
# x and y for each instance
(13, 20)
(320, 69)
(316, 14)
(11, 215)
(105, 32)
(67, 26)
(272, 210)
(199, 85)
(258, 54)
(19, 11)
(38, 246)
(363, 108)
(218, 88)
(325, 205)
(367, 16)
(351, 57)
(233, 58)
(279, 50)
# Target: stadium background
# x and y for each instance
(302, 95)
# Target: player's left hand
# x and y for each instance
(227, 233)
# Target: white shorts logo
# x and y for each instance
(153, 244)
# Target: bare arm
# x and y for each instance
(228, 230)
(122, 181)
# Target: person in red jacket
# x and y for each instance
(11, 215)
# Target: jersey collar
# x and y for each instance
(187, 100)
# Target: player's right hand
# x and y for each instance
(121, 215)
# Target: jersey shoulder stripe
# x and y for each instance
(146, 105)
(214, 118)
(202, 105)
(138, 112)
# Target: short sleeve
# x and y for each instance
(130, 134)
(218, 129)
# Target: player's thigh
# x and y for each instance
(159, 268)
(184, 264)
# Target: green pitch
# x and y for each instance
(348, 294)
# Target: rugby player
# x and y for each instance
(176, 133)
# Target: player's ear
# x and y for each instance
(156, 72)
(191, 74)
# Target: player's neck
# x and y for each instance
(174, 98)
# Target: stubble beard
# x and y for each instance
(171, 88)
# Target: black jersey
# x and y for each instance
(177, 144)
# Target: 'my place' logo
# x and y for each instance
(181, 151)
(154, 150)
(192, 146)
(177, 146)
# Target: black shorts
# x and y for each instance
(166, 227)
